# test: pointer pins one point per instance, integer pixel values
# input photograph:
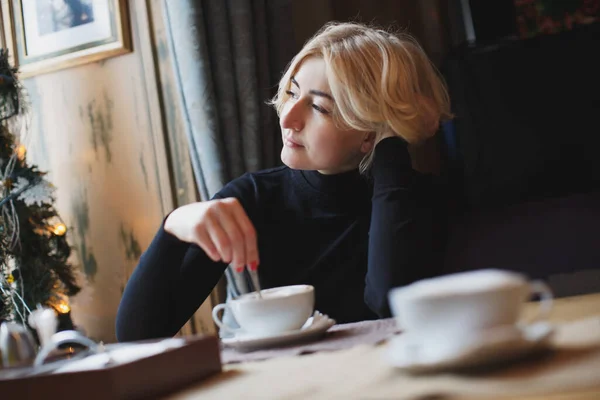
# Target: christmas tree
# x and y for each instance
(34, 253)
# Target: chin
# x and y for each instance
(294, 161)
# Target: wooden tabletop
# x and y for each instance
(572, 371)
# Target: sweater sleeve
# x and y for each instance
(172, 279)
(402, 225)
(170, 282)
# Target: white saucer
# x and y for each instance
(497, 346)
(314, 327)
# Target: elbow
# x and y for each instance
(129, 325)
(124, 327)
(133, 324)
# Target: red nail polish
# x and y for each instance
(253, 266)
(239, 269)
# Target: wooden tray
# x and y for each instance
(147, 377)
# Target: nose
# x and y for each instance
(292, 116)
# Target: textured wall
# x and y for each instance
(98, 130)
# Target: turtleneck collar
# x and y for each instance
(346, 182)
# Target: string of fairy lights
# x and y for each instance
(9, 286)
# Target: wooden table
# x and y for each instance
(362, 373)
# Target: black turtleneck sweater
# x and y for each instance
(350, 236)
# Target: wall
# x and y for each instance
(99, 131)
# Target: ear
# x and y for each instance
(368, 143)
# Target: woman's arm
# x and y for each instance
(170, 282)
(175, 274)
(401, 235)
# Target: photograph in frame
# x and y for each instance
(54, 34)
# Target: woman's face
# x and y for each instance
(310, 139)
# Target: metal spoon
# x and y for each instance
(255, 282)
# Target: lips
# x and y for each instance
(289, 142)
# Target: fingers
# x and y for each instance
(206, 243)
(225, 233)
(218, 237)
(249, 236)
(235, 243)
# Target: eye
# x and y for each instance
(320, 109)
(291, 94)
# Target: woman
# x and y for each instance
(346, 214)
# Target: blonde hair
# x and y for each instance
(382, 82)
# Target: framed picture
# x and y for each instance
(48, 35)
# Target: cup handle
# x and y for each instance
(546, 300)
(63, 337)
(215, 315)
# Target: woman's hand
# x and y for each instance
(220, 227)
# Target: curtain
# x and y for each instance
(228, 56)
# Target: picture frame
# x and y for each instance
(2, 39)
(46, 36)
(6, 30)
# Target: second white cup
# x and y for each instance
(463, 306)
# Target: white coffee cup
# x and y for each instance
(277, 310)
(460, 307)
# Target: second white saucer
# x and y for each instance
(495, 347)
